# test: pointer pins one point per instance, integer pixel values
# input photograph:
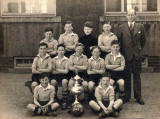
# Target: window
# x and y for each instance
(28, 7)
(121, 6)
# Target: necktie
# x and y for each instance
(131, 26)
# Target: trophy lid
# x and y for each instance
(77, 77)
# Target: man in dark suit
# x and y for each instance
(132, 39)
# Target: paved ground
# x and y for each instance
(14, 97)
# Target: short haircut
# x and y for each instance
(115, 42)
(107, 22)
(94, 47)
(43, 44)
(106, 74)
(48, 29)
(88, 24)
(60, 45)
(79, 44)
(43, 75)
(68, 22)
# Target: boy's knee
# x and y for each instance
(85, 84)
(112, 82)
(54, 106)
(31, 107)
(118, 103)
(91, 85)
(120, 82)
(91, 103)
(53, 82)
(34, 84)
(64, 82)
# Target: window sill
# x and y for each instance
(31, 18)
(138, 13)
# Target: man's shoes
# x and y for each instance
(140, 101)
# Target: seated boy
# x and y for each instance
(69, 39)
(40, 64)
(59, 73)
(105, 99)
(115, 64)
(50, 41)
(44, 97)
(95, 70)
(78, 64)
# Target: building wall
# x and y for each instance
(21, 36)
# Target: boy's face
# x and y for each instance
(115, 48)
(106, 27)
(42, 50)
(48, 34)
(96, 52)
(68, 27)
(105, 81)
(87, 30)
(61, 50)
(44, 82)
(79, 50)
(131, 15)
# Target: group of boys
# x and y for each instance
(58, 62)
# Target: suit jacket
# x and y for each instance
(132, 43)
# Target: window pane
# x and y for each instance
(10, 6)
(133, 4)
(149, 5)
(113, 5)
(29, 6)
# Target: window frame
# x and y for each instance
(2, 14)
(139, 13)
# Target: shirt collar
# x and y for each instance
(129, 23)
(95, 60)
(68, 33)
(119, 55)
(77, 56)
(64, 58)
(47, 88)
(47, 55)
(45, 40)
(106, 90)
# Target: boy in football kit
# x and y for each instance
(69, 39)
(41, 64)
(59, 71)
(115, 64)
(44, 98)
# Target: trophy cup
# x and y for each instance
(77, 108)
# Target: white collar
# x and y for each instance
(106, 90)
(115, 56)
(64, 58)
(45, 40)
(47, 88)
(129, 23)
(47, 55)
(95, 60)
(68, 33)
(78, 56)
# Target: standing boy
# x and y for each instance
(50, 41)
(69, 39)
